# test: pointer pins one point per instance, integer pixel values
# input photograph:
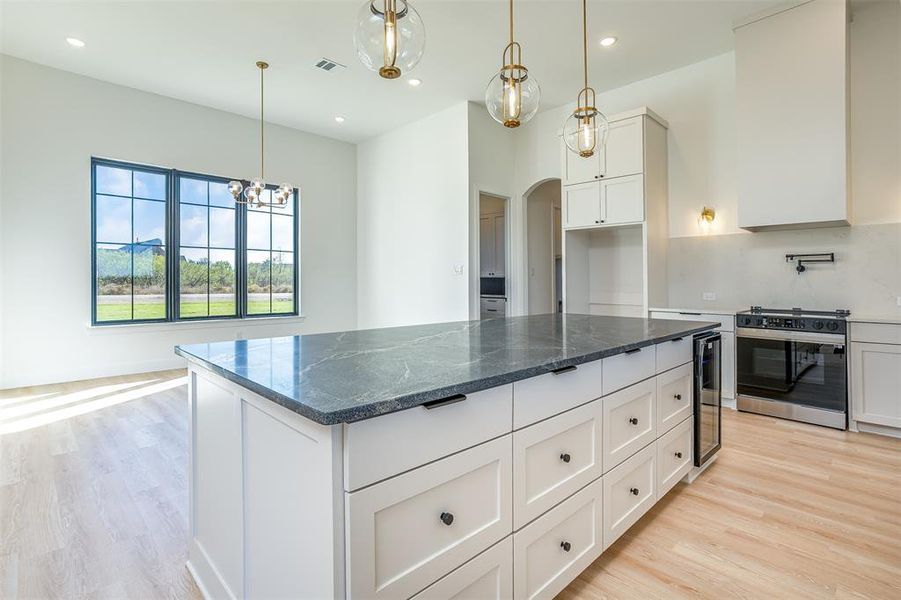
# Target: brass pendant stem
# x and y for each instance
(585, 40)
(262, 127)
(511, 21)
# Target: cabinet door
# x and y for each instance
(486, 246)
(579, 169)
(624, 152)
(876, 383)
(728, 362)
(622, 200)
(582, 205)
(500, 237)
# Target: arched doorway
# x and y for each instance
(544, 260)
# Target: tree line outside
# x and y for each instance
(114, 285)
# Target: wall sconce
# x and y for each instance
(706, 219)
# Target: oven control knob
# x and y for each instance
(817, 324)
(833, 326)
(760, 322)
(746, 320)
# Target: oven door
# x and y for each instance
(807, 369)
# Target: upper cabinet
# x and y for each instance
(791, 113)
(492, 255)
(622, 155)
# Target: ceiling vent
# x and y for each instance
(327, 64)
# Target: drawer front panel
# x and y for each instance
(629, 491)
(674, 456)
(543, 396)
(629, 421)
(378, 448)
(625, 369)
(554, 549)
(673, 353)
(489, 576)
(877, 333)
(727, 322)
(555, 458)
(407, 532)
(674, 395)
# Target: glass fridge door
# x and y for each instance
(708, 399)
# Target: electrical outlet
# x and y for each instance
(458, 269)
(709, 296)
(898, 299)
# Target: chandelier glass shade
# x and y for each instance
(255, 192)
(389, 37)
(513, 95)
(585, 130)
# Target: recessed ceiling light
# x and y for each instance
(608, 41)
(339, 119)
(415, 82)
(75, 42)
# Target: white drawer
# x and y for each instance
(674, 456)
(401, 537)
(546, 395)
(378, 448)
(489, 576)
(629, 491)
(629, 421)
(625, 369)
(554, 549)
(554, 458)
(727, 322)
(673, 353)
(674, 397)
(876, 333)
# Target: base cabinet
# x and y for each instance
(554, 549)
(629, 491)
(488, 576)
(876, 383)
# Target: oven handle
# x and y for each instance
(790, 336)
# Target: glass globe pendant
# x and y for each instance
(585, 130)
(389, 37)
(253, 194)
(512, 96)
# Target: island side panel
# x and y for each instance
(266, 496)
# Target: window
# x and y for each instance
(170, 245)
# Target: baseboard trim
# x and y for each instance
(205, 574)
(878, 429)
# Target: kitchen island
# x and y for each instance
(492, 458)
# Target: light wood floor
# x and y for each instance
(93, 503)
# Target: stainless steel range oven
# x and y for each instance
(792, 364)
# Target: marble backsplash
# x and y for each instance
(746, 269)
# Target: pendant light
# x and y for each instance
(512, 96)
(253, 194)
(585, 130)
(389, 37)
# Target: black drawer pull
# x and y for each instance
(633, 491)
(633, 351)
(444, 401)
(692, 314)
(633, 420)
(562, 370)
(447, 518)
(678, 339)
(678, 455)
(678, 396)
(565, 457)
(566, 546)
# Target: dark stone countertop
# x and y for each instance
(354, 375)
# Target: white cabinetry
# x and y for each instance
(492, 254)
(875, 373)
(726, 330)
(615, 220)
(791, 87)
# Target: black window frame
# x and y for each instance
(172, 247)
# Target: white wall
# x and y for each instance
(52, 123)
(412, 223)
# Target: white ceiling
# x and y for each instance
(204, 52)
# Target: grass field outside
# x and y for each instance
(119, 308)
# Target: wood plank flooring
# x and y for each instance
(93, 504)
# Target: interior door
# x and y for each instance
(622, 200)
(582, 205)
